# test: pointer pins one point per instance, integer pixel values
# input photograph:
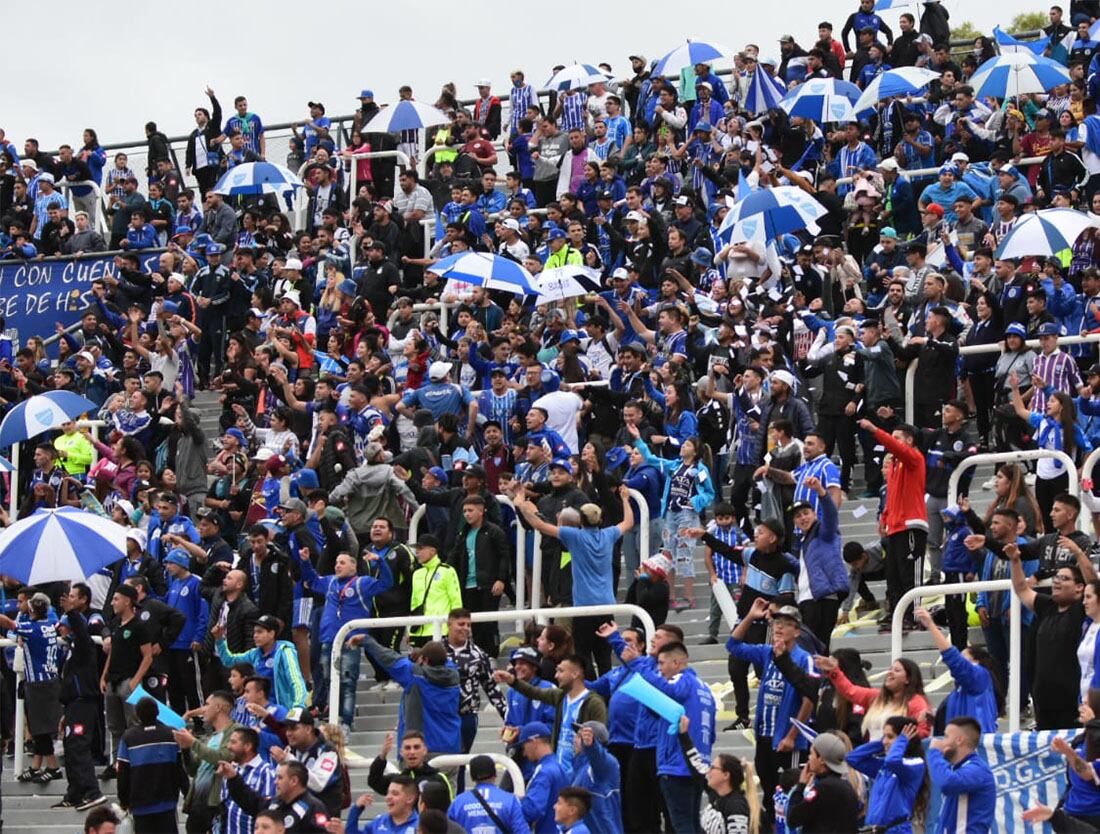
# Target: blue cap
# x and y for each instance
(214, 249)
(171, 306)
(562, 463)
(438, 473)
(888, 231)
(1048, 328)
(617, 456)
(237, 433)
(366, 93)
(182, 230)
(1016, 329)
(349, 287)
(952, 514)
(555, 234)
(178, 556)
(533, 729)
(702, 256)
(526, 653)
(703, 126)
(568, 336)
(949, 168)
(305, 479)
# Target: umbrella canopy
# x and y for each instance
(5, 465)
(1045, 233)
(883, 5)
(564, 282)
(257, 178)
(779, 210)
(490, 271)
(765, 92)
(66, 544)
(689, 54)
(823, 100)
(903, 81)
(1017, 73)
(406, 115)
(40, 413)
(576, 77)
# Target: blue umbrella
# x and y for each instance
(1045, 233)
(406, 115)
(257, 178)
(41, 413)
(823, 100)
(1006, 43)
(5, 465)
(66, 544)
(883, 5)
(576, 77)
(1017, 73)
(689, 54)
(765, 92)
(491, 271)
(903, 81)
(780, 210)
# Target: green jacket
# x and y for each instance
(594, 707)
(438, 595)
(202, 753)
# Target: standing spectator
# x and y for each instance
(474, 672)
(249, 767)
(436, 590)
(248, 125)
(963, 778)
(480, 806)
(151, 774)
(203, 156)
(546, 781)
(129, 659)
(203, 801)
(184, 594)
(822, 579)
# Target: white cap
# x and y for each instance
(29, 163)
(959, 156)
(888, 164)
(620, 272)
(264, 453)
(635, 215)
(138, 536)
(484, 82)
(294, 296)
(768, 61)
(45, 176)
(439, 370)
(125, 506)
(293, 263)
(86, 356)
(510, 223)
(784, 376)
(176, 276)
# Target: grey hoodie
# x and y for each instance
(371, 491)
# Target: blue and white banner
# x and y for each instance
(1028, 773)
(36, 294)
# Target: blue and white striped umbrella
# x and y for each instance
(1017, 73)
(903, 81)
(765, 92)
(493, 272)
(257, 178)
(576, 77)
(690, 53)
(779, 210)
(6, 465)
(66, 544)
(883, 5)
(562, 282)
(1045, 233)
(823, 100)
(406, 115)
(41, 413)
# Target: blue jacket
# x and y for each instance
(468, 812)
(180, 525)
(184, 595)
(703, 495)
(542, 792)
(903, 205)
(622, 710)
(790, 701)
(973, 694)
(897, 781)
(693, 694)
(647, 480)
(430, 700)
(281, 665)
(522, 710)
(956, 558)
(345, 599)
(971, 778)
(820, 552)
(596, 770)
(995, 568)
(647, 723)
(143, 238)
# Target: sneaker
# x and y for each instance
(29, 774)
(67, 805)
(49, 774)
(868, 493)
(108, 772)
(709, 641)
(91, 802)
(739, 724)
(987, 485)
(678, 604)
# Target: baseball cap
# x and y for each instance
(475, 471)
(439, 370)
(293, 263)
(832, 751)
(635, 216)
(483, 82)
(86, 356)
(1016, 329)
(29, 163)
(620, 274)
(799, 505)
(959, 156)
(136, 536)
(702, 126)
(510, 223)
(298, 715)
(366, 93)
(537, 729)
(527, 654)
(784, 376)
(888, 164)
(682, 201)
(427, 540)
(214, 249)
(555, 234)
(562, 463)
(294, 505)
(1093, 371)
(1048, 328)
(789, 612)
(568, 336)
(933, 208)
(233, 431)
(949, 168)
(786, 39)
(181, 231)
(888, 231)
(267, 622)
(438, 473)
(348, 287)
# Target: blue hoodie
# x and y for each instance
(280, 665)
(622, 710)
(646, 480)
(522, 710)
(897, 781)
(542, 793)
(647, 723)
(184, 595)
(597, 771)
(973, 694)
(693, 694)
(956, 558)
(971, 778)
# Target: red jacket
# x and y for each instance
(905, 508)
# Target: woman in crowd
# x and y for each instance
(902, 693)
(977, 693)
(899, 792)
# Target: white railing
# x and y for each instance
(966, 350)
(463, 759)
(931, 172)
(401, 157)
(100, 220)
(437, 622)
(1073, 487)
(1014, 641)
(13, 492)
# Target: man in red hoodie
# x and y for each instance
(904, 520)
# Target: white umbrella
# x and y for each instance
(902, 81)
(1045, 233)
(690, 53)
(1017, 73)
(59, 545)
(576, 77)
(406, 115)
(564, 282)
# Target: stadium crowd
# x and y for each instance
(734, 384)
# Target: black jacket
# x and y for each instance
(308, 813)
(275, 595)
(212, 129)
(396, 601)
(80, 674)
(452, 499)
(936, 371)
(148, 567)
(146, 780)
(840, 374)
(829, 806)
(238, 625)
(492, 553)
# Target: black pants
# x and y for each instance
(594, 650)
(819, 616)
(546, 191)
(740, 492)
(955, 604)
(904, 564)
(80, 718)
(485, 634)
(982, 388)
(1046, 489)
(839, 431)
(622, 754)
(162, 823)
(739, 669)
(390, 638)
(183, 686)
(1055, 718)
(200, 820)
(212, 347)
(872, 457)
(207, 178)
(928, 415)
(769, 763)
(642, 797)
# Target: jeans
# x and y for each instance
(350, 658)
(682, 799)
(682, 548)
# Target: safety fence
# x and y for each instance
(463, 760)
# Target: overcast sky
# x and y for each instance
(154, 64)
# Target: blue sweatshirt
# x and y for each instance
(622, 710)
(345, 599)
(542, 792)
(956, 558)
(280, 665)
(897, 781)
(184, 595)
(693, 694)
(971, 778)
(973, 694)
(773, 718)
(468, 812)
(597, 771)
(647, 723)
(522, 710)
(180, 525)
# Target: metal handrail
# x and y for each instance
(929, 172)
(519, 790)
(100, 218)
(437, 622)
(966, 350)
(1012, 457)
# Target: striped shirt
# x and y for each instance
(521, 98)
(574, 114)
(115, 177)
(728, 570)
(821, 468)
(1057, 370)
(500, 408)
(258, 775)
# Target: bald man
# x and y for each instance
(232, 608)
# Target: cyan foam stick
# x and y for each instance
(647, 694)
(165, 714)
